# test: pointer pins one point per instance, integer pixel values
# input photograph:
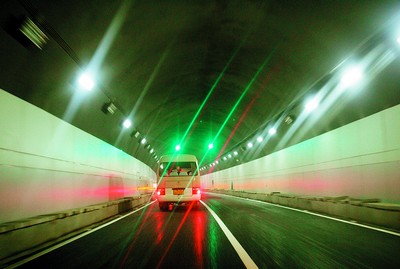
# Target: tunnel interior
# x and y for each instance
(207, 77)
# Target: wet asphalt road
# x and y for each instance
(186, 237)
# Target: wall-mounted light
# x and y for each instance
(289, 119)
(135, 134)
(109, 108)
(28, 32)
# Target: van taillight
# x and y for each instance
(195, 190)
(161, 191)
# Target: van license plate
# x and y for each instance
(178, 191)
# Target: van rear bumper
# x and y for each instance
(178, 198)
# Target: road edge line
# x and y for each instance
(56, 246)
(312, 213)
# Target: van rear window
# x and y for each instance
(167, 169)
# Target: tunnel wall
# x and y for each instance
(360, 160)
(48, 165)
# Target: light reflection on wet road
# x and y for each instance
(274, 237)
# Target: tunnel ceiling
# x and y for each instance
(200, 72)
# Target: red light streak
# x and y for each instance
(198, 237)
(137, 232)
(175, 235)
(242, 117)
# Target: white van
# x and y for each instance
(178, 180)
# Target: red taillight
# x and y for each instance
(195, 190)
(161, 191)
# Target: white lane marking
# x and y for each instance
(315, 214)
(248, 262)
(37, 255)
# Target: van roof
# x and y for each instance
(178, 158)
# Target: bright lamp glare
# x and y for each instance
(259, 139)
(235, 153)
(86, 82)
(127, 123)
(312, 104)
(398, 40)
(272, 131)
(352, 76)
(143, 141)
(250, 145)
(177, 147)
(210, 146)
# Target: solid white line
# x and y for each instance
(47, 250)
(248, 262)
(315, 214)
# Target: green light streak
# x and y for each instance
(238, 101)
(213, 244)
(211, 91)
(243, 94)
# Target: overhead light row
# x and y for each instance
(86, 83)
(143, 141)
(349, 77)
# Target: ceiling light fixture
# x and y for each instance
(127, 123)
(86, 82)
(312, 104)
(351, 76)
(272, 131)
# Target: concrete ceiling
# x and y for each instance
(196, 72)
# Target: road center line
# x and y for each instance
(248, 262)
